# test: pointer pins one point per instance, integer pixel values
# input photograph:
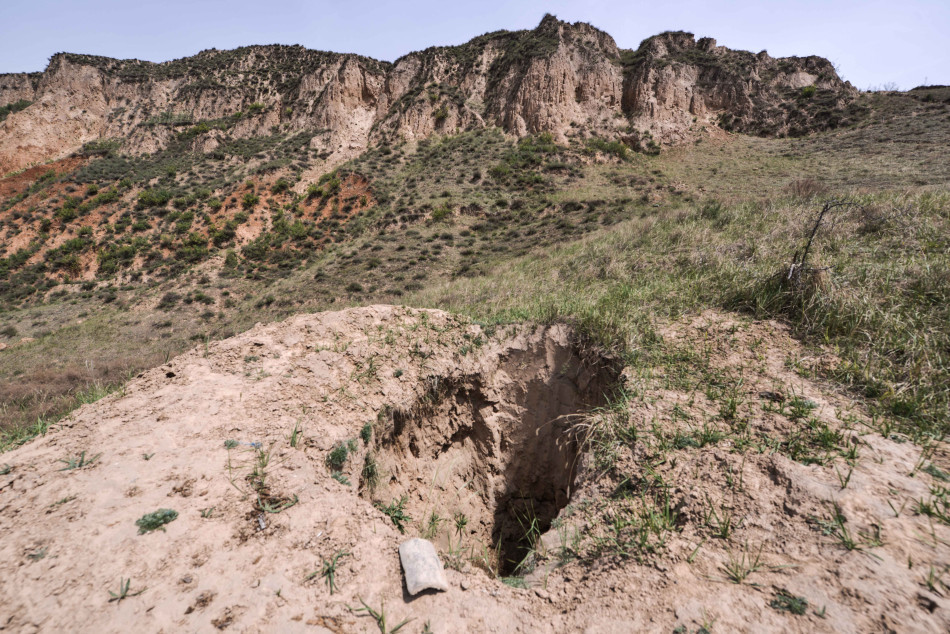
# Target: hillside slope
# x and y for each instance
(107, 271)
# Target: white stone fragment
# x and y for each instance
(421, 565)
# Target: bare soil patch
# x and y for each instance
(264, 446)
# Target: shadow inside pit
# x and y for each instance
(514, 441)
(542, 467)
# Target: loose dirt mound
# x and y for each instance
(301, 447)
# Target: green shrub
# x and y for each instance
(250, 200)
(441, 213)
(168, 300)
(256, 250)
(106, 197)
(67, 214)
(223, 235)
(114, 257)
(614, 148)
(102, 147)
(153, 198)
(16, 106)
(201, 128)
(499, 171)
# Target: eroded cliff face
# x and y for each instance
(675, 84)
(567, 79)
(70, 107)
(249, 92)
(18, 86)
(555, 78)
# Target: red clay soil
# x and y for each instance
(19, 181)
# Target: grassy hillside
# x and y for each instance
(615, 241)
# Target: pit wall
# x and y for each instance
(492, 447)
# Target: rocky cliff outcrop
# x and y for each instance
(18, 86)
(674, 82)
(568, 79)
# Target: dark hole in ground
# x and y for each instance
(539, 480)
(494, 447)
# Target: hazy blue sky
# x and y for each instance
(872, 42)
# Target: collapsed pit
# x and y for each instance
(495, 446)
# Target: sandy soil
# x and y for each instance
(458, 420)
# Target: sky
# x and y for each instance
(873, 43)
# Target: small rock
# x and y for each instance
(421, 566)
(465, 584)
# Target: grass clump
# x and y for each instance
(296, 435)
(339, 477)
(787, 602)
(273, 505)
(340, 453)
(741, 565)
(78, 462)
(366, 433)
(124, 593)
(17, 433)
(380, 617)
(396, 511)
(328, 570)
(370, 471)
(612, 148)
(156, 520)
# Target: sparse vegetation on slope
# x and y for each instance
(722, 219)
(880, 303)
